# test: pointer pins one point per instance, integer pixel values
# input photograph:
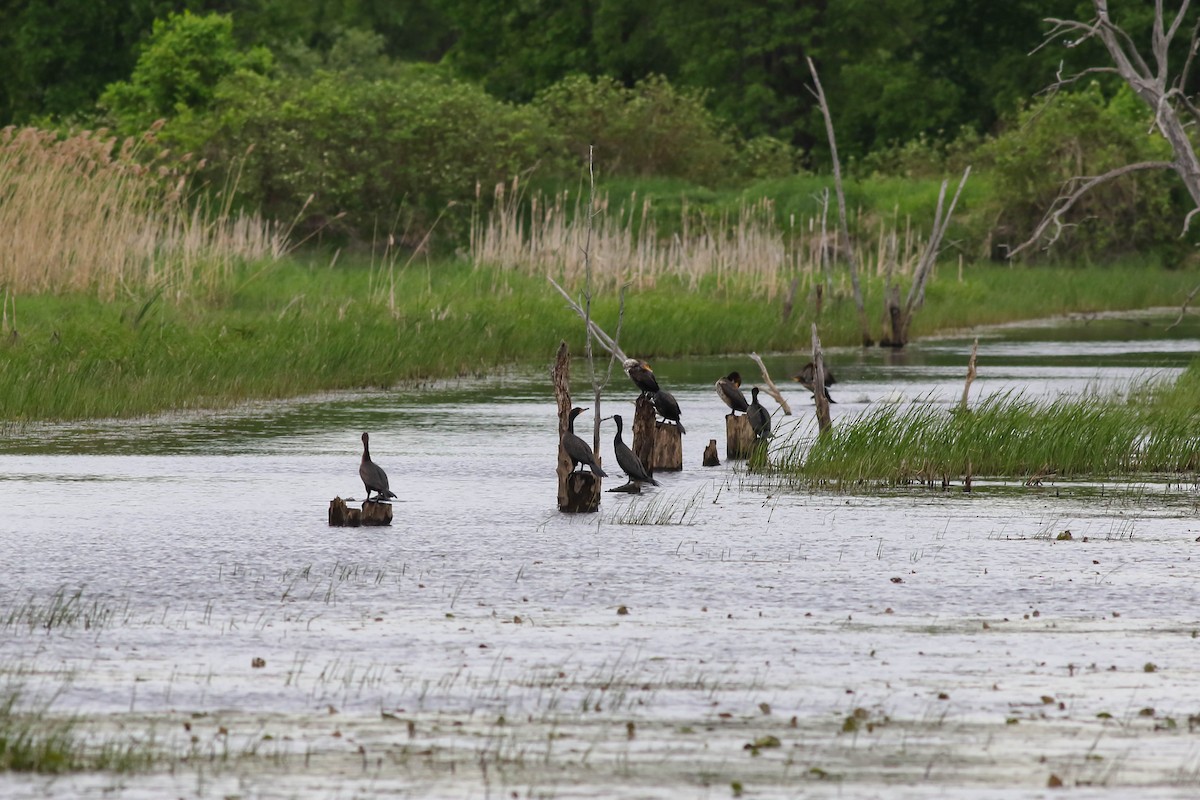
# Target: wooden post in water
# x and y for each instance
(710, 454)
(824, 424)
(739, 436)
(371, 513)
(668, 448)
(970, 376)
(659, 445)
(577, 491)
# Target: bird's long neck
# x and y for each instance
(366, 452)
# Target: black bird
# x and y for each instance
(760, 420)
(664, 404)
(628, 460)
(373, 476)
(642, 376)
(729, 389)
(807, 377)
(577, 448)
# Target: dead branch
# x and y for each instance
(932, 249)
(1064, 203)
(847, 245)
(772, 389)
(606, 341)
(970, 377)
(1183, 308)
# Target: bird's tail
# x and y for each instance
(681, 428)
(599, 472)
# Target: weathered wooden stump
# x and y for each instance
(371, 513)
(658, 445)
(739, 436)
(583, 493)
(668, 448)
(710, 454)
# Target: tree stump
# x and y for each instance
(643, 431)
(668, 448)
(583, 493)
(371, 513)
(739, 436)
(710, 454)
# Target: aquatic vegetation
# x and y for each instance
(1007, 435)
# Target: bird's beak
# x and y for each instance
(605, 419)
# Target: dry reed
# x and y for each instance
(88, 214)
(542, 235)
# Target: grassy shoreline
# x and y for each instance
(298, 328)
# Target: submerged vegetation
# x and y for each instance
(1155, 430)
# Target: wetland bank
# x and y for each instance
(753, 640)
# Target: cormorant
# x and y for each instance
(664, 404)
(628, 460)
(807, 377)
(577, 448)
(373, 476)
(760, 420)
(642, 376)
(729, 389)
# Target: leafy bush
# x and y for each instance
(367, 157)
(651, 129)
(178, 72)
(1079, 135)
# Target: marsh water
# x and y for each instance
(172, 586)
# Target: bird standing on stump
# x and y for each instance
(729, 389)
(373, 476)
(760, 420)
(664, 404)
(627, 460)
(577, 449)
(807, 377)
(642, 376)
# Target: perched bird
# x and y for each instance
(760, 420)
(577, 448)
(665, 405)
(628, 460)
(729, 389)
(373, 476)
(642, 376)
(807, 377)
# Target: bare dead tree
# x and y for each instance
(824, 423)
(847, 246)
(1153, 80)
(1183, 308)
(772, 389)
(902, 318)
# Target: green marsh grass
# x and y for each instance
(283, 329)
(34, 740)
(658, 509)
(1154, 431)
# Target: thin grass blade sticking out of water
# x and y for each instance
(659, 509)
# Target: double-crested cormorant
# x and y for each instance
(729, 389)
(630, 464)
(665, 405)
(807, 377)
(760, 420)
(373, 476)
(577, 448)
(640, 373)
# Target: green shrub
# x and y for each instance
(1078, 135)
(651, 129)
(178, 72)
(371, 157)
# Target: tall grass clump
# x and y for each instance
(33, 740)
(1005, 436)
(88, 213)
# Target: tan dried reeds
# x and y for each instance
(87, 213)
(541, 235)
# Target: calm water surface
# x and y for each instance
(911, 643)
